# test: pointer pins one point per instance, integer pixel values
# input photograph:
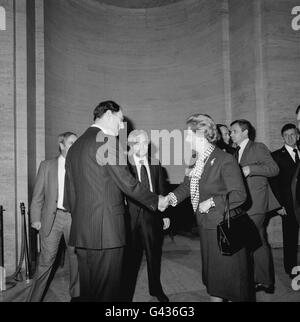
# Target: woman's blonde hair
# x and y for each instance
(203, 123)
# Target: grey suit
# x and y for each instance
(54, 224)
(262, 166)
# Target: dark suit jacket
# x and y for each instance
(221, 175)
(96, 178)
(44, 201)
(262, 166)
(295, 186)
(281, 184)
(159, 184)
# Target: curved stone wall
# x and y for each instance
(161, 64)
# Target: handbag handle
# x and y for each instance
(226, 216)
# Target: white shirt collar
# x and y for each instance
(290, 149)
(138, 159)
(243, 144)
(61, 158)
(105, 131)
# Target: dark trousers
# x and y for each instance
(49, 248)
(262, 257)
(146, 236)
(290, 232)
(100, 274)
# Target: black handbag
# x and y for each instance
(236, 231)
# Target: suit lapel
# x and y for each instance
(134, 171)
(208, 165)
(151, 169)
(287, 156)
(245, 153)
(54, 176)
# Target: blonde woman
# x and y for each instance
(214, 175)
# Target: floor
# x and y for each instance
(181, 278)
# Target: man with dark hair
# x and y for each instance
(103, 107)
(224, 141)
(257, 166)
(52, 220)
(96, 181)
(287, 159)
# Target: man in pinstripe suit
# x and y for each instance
(97, 178)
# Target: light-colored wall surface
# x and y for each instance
(282, 60)
(21, 108)
(229, 58)
(7, 131)
(161, 64)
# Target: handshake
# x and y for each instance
(163, 203)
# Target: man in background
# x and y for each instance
(257, 166)
(146, 230)
(287, 159)
(52, 220)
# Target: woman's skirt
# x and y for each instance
(227, 277)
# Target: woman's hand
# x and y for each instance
(206, 205)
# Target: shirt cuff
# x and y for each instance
(173, 199)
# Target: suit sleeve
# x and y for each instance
(162, 181)
(233, 180)
(123, 178)
(69, 189)
(183, 190)
(38, 194)
(275, 182)
(265, 165)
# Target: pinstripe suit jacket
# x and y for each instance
(96, 179)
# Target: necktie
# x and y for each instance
(144, 176)
(297, 160)
(236, 154)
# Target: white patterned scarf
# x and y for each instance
(196, 174)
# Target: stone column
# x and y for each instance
(20, 120)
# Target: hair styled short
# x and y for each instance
(134, 135)
(103, 107)
(246, 125)
(203, 123)
(288, 126)
(63, 137)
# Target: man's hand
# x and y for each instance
(246, 171)
(36, 225)
(166, 223)
(282, 212)
(163, 203)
